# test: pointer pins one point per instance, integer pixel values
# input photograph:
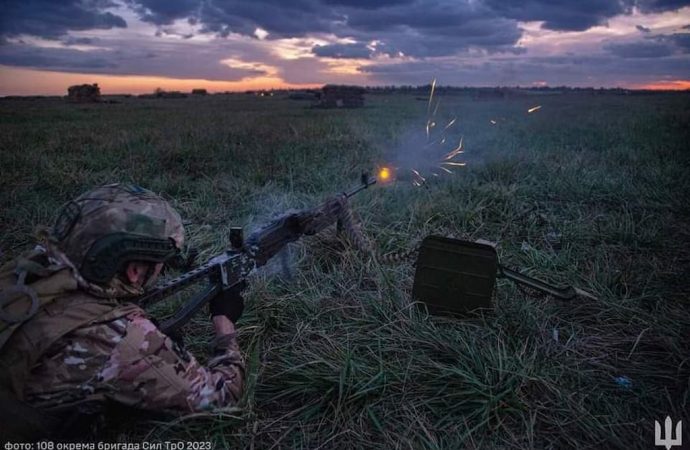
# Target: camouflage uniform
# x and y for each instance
(83, 346)
(130, 361)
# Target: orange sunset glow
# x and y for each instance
(674, 85)
(16, 81)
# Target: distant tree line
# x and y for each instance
(426, 88)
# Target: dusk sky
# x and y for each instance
(138, 45)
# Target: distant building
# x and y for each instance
(199, 92)
(84, 93)
(336, 96)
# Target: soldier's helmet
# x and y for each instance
(102, 230)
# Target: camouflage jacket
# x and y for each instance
(130, 361)
(79, 348)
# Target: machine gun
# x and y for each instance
(230, 268)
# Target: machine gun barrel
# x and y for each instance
(366, 182)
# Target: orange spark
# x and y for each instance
(384, 174)
(455, 152)
(431, 96)
(429, 124)
(534, 108)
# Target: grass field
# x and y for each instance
(340, 357)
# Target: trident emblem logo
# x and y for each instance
(668, 441)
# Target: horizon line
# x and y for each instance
(643, 88)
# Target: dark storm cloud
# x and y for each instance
(434, 28)
(54, 58)
(169, 32)
(415, 27)
(560, 70)
(681, 40)
(281, 19)
(642, 28)
(51, 19)
(367, 4)
(418, 28)
(642, 49)
(356, 50)
(421, 46)
(130, 60)
(658, 46)
(71, 40)
(437, 15)
(456, 21)
(449, 37)
(565, 15)
(300, 17)
(660, 5)
(352, 18)
(164, 12)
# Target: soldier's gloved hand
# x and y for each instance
(229, 303)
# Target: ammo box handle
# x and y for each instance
(564, 293)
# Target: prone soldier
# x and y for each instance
(69, 338)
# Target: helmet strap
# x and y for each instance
(148, 278)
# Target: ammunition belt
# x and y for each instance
(352, 228)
